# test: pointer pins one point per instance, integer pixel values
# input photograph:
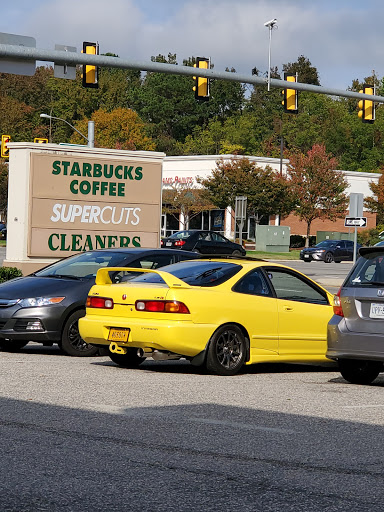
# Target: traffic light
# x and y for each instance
(4, 149)
(40, 140)
(290, 101)
(201, 86)
(90, 73)
(367, 107)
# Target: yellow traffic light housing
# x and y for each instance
(40, 140)
(4, 149)
(367, 107)
(290, 101)
(201, 86)
(90, 73)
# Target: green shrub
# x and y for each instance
(298, 241)
(7, 273)
(369, 237)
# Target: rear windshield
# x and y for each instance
(369, 271)
(181, 234)
(195, 273)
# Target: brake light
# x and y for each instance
(337, 308)
(161, 242)
(99, 302)
(162, 306)
(179, 243)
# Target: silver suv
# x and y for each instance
(356, 330)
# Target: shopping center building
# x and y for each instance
(185, 170)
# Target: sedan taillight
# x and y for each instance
(179, 243)
(337, 308)
(99, 302)
(162, 306)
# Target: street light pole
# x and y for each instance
(270, 24)
(91, 129)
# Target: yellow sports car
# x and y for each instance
(216, 312)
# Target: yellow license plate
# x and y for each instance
(118, 334)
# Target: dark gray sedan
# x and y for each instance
(328, 251)
(45, 306)
(356, 330)
(203, 242)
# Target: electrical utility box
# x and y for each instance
(272, 238)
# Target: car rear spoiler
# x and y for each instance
(363, 251)
(103, 277)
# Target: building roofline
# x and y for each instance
(226, 157)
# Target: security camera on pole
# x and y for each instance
(270, 24)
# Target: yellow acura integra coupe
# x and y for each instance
(220, 313)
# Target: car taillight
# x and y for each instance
(179, 243)
(161, 306)
(337, 308)
(99, 302)
(161, 242)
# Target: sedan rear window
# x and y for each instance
(369, 270)
(195, 273)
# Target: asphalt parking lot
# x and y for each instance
(84, 434)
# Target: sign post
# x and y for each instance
(240, 215)
(355, 218)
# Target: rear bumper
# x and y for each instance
(344, 344)
(180, 337)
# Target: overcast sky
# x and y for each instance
(343, 39)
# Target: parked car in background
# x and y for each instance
(204, 242)
(3, 231)
(45, 306)
(329, 250)
(218, 313)
(356, 330)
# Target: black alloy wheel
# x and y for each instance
(71, 341)
(12, 345)
(328, 258)
(128, 360)
(356, 371)
(227, 350)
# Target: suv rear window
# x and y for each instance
(369, 270)
(195, 273)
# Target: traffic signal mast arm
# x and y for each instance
(8, 51)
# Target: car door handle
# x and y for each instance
(288, 308)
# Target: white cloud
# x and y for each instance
(341, 38)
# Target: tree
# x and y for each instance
(375, 204)
(185, 200)
(306, 73)
(268, 192)
(319, 191)
(120, 129)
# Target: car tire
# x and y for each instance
(236, 253)
(226, 351)
(12, 346)
(72, 343)
(128, 360)
(357, 371)
(328, 258)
